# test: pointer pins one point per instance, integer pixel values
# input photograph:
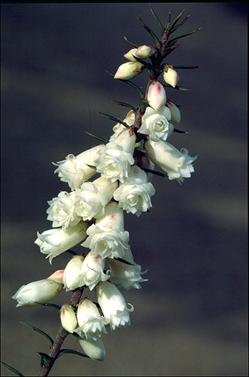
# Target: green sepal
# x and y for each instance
(111, 117)
(39, 331)
(45, 359)
(68, 350)
(12, 369)
(95, 137)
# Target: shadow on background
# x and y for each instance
(191, 317)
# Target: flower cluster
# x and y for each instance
(106, 181)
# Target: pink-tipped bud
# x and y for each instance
(145, 51)
(128, 70)
(170, 76)
(175, 112)
(156, 95)
(130, 55)
(57, 276)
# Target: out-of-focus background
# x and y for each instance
(190, 318)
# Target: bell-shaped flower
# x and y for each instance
(113, 305)
(91, 323)
(155, 124)
(125, 275)
(119, 127)
(72, 278)
(95, 349)
(170, 76)
(134, 194)
(175, 112)
(177, 164)
(40, 291)
(54, 242)
(77, 169)
(92, 197)
(127, 71)
(145, 51)
(62, 210)
(107, 237)
(156, 95)
(115, 161)
(92, 270)
(68, 318)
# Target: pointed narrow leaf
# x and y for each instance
(151, 32)
(45, 359)
(39, 331)
(183, 36)
(124, 261)
(130, 42)
(154, 172)
(156, 17)
(55, 306)
(68, 350)
(111, 117)
(185, 66)
(147, 65)
(125, 104)
(177, 88)
(176, 19)
(180, 131)
(12, 369)
(184, 20)
(95, 137)
(133, 85)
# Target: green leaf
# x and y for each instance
(39, 331)
(156, 17)
(50, 305)
(12, 369)
(154, 172)
(130, 42)
(176, 19)
(125, 261)
(151, 32)
(45, 359)
(185, 66)
(133, 85)
(184, 20)
(183, 36)
(125, 104)
(147, 65)
(180, 131)
(68, 350)
(96, 137)
(111, 117)
(177, 88)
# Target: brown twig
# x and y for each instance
(60, 337)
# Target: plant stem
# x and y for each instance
(60, 337)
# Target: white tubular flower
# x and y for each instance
(130, 55)
(175, 112)
(40, 291)
(113, 305)
(95, 349)
(156, 95)
(107, 237)
(170, 76)
(128, 70)
(115, 161)
(177, 164)
(54, 242)
(91, 323)
(62, 210)
(155, 124)
(145, 51)
(72, 278)
(75, 170)
(119, 127)
(68, 318)
(92, 197)
(134, 194)
(125, 275)
(92, 270)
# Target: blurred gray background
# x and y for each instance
(190, 318)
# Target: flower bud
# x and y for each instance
(170, 76)
(175, 112)
(145, 51)
(91, 323)
(156, 95)
(54, 242)
(92, 270)
(95, 349)
(113, 305)
(57, 276)
(128, 70)
(68, 318)
(130, 55)
(40, 291)
(72, 278)
(126, 275)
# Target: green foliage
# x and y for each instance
(12, 369)
(39, 331)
